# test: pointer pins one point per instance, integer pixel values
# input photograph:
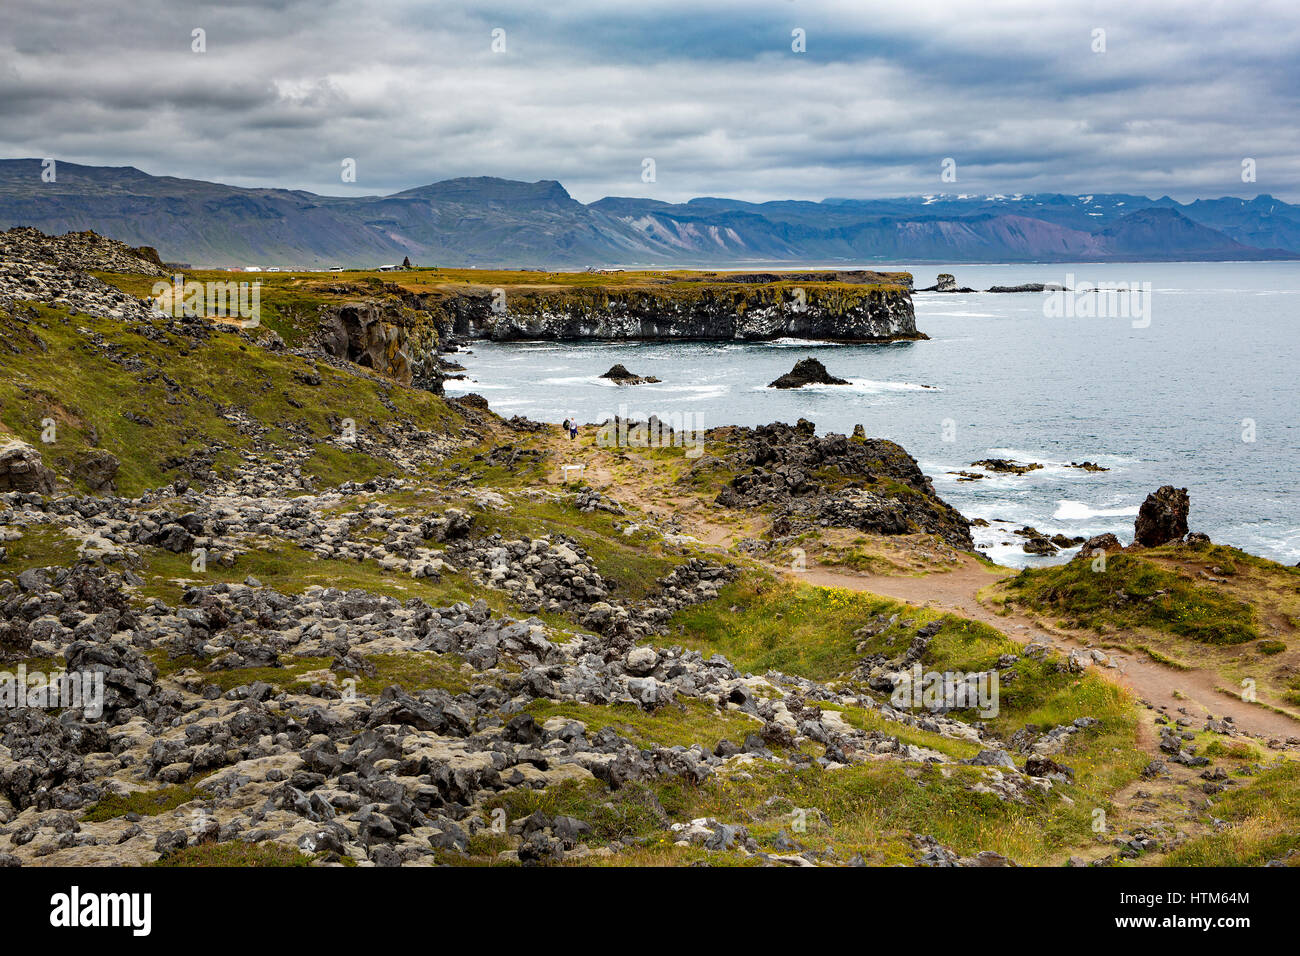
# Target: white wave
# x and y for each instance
(1067, 510)
(804, 343)
(862, 386)
(579, 380)
(462, 386)
(678, 393)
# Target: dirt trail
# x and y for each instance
(956, 592)
(1190, 693)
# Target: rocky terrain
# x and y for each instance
(85, 251)
(809, 482)
(31, 271)
(341, 621)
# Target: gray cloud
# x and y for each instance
(708, 88)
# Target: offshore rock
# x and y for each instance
(807, 371)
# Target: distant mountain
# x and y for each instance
(486, 221)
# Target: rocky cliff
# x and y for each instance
(389, 332)
(744, 311)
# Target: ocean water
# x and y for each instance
(1199, 390)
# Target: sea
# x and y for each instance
(1170, 373)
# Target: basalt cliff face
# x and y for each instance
(389, 330)
(732, 312)
(399, 333)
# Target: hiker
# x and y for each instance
(567, 425)
(573, 428)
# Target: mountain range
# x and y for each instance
(484, 221)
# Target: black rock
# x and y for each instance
(807, 371)
(1162, 517)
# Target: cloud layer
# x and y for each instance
(584, 91)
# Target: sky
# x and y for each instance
(1155, 98)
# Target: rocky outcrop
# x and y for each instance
(35, 281)
(1099, 543)
(365, 333)
(1162, 517)
(807, 371)
(884, 490)
(390, 329)
(709, 312)
(1005, 466)
(946, 282)
(85, 251)
(97, 469)
(1029, 287)
(621, 376)
(22, 469)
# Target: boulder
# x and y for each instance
(807, 371)
(1099, 542)
(1039, 544)
(22, 468)
(1162, 517)
(98, 469)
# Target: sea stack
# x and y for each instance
(621, 376)
(807, 371)
(1162, 517)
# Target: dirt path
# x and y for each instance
(956, 592)
(1191, 693)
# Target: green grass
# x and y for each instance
(147, 803)
(780, 624)
(1264, 824)
(869, 720)
(1133, 593)
(290, 301)
(234, 853)
(809, 632)
(39, 547)
(870, 809)
(1165, 659)
(685, 722)
(49, 370)
(291, 570)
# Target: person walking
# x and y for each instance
(573, 427)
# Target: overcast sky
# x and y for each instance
(1012, 90)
